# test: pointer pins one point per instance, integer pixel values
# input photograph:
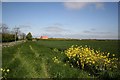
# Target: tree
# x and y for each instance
(22, 36)
(16, 30)
(6, 35)
(4, 28)
(29, 36)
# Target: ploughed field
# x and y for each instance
(47, 59)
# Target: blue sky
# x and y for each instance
(60, 0)
(80, 20)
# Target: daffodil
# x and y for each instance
(1, 69)
(8, 70)
(113, 54)
(88, 56)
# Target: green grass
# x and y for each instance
(34, 59)
(104, 46)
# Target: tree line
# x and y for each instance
(13, 35)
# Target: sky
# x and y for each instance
(79, 20)
(59, 0)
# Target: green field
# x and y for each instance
(34, 59)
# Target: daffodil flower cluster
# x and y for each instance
(4, 72)
(86, 56)
(55, 50)
(55, 60)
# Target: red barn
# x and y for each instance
(44, 37)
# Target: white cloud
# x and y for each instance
(75, 5)
(80, 5)
(54, 29)
(91, 36)
(94, 32)
(99, 5)
(59, 32)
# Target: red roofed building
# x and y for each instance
(44, 37)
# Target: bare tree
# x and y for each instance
(4, 28)
(23, 36)
(16, 31)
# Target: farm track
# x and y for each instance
(34, 51)
(26, 64)
(29, 64)
(44, 68)
(43, 63)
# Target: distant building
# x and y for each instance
(44, 37)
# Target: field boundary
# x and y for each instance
(8, 44)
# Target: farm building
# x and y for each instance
(44, 37)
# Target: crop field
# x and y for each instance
(47, 59)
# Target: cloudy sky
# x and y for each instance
(82, 20)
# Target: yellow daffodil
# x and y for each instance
(1, 69)
(89, 56)
(8, 70)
